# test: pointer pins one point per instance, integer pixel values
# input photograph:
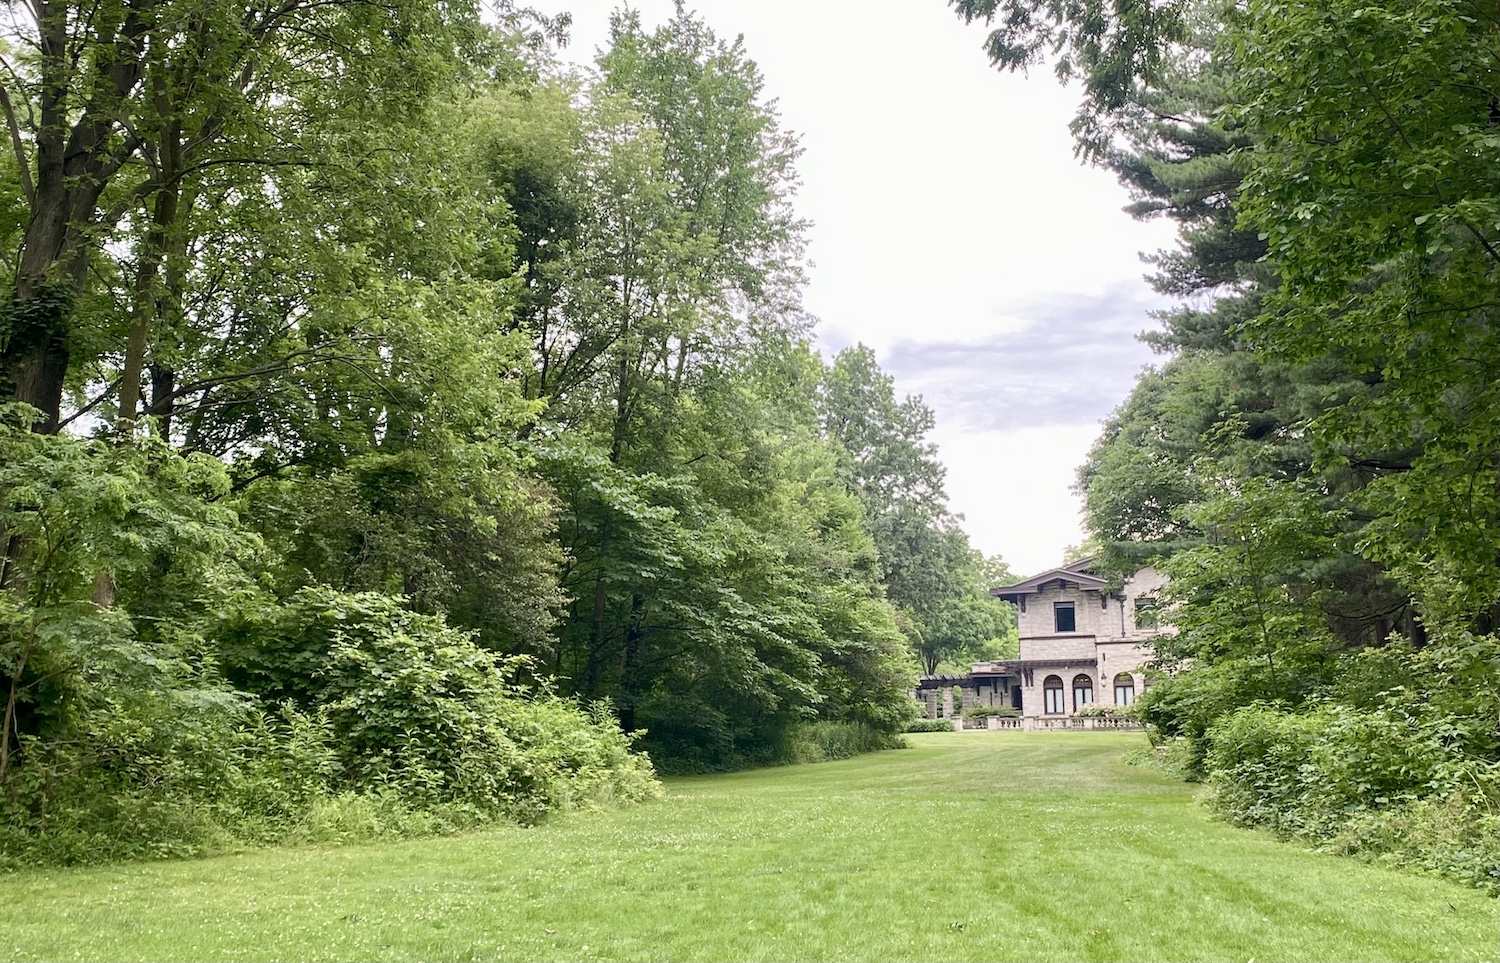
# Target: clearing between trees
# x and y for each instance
(971, 846)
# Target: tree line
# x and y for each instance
(406, 430)
(1316, 461)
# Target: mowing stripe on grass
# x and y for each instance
(971, 846)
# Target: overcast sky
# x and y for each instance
(955, 233)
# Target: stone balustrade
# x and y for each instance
(1049, 724)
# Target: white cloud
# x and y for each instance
(1069, 363)
(1013, 488)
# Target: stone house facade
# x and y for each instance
(1082, 642)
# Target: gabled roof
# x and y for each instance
(1068, 573)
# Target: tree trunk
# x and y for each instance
(629, 662)
(104, 590)
(143, 307)
(35, 355)
(594, 673)
(163, 406)
(78, 149)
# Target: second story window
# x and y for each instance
(1145, 613)
(1063, 617)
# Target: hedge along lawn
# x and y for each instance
(972, 846)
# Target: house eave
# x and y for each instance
(1033, 586)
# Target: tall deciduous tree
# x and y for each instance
(115, 111)
(929, 570)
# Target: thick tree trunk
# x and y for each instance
(79, 148)
(34, 351)
(35, 358)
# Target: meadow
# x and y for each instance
(967, 846)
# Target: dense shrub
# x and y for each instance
(1372, 782)
(1392, 756)
(1457, 836)
(415, 705)
(396, 725)
(119, 716)
(1188, 704)
(827, 741)
(992, 712)
(930, 725)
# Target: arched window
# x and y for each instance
(1053, 689)
(1124, 689)
(1083, 691)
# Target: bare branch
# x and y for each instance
(109, 389)
(285, 363)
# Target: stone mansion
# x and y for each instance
(1081, 643)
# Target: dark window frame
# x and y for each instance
(1147, 614)
(1082, 685)
(1053, 705)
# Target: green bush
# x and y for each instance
(1188, 704)
(417, 707)
(1457, 837)
(930, 725)
(827, 741)
(399, 726)
(1098, 710)
(1387, 752)
(991, 712)
(1375, 783)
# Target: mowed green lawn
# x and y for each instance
(974, 846)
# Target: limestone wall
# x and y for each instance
(1039, 619)
(1034, 696)
(1079, 647)
(1148, 582)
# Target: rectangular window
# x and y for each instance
(1054, 701)
(1062, 614)
(1145, 613)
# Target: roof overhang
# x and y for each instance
(1032, 586)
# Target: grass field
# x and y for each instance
(972, 846)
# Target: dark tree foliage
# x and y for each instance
(1315, 463)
